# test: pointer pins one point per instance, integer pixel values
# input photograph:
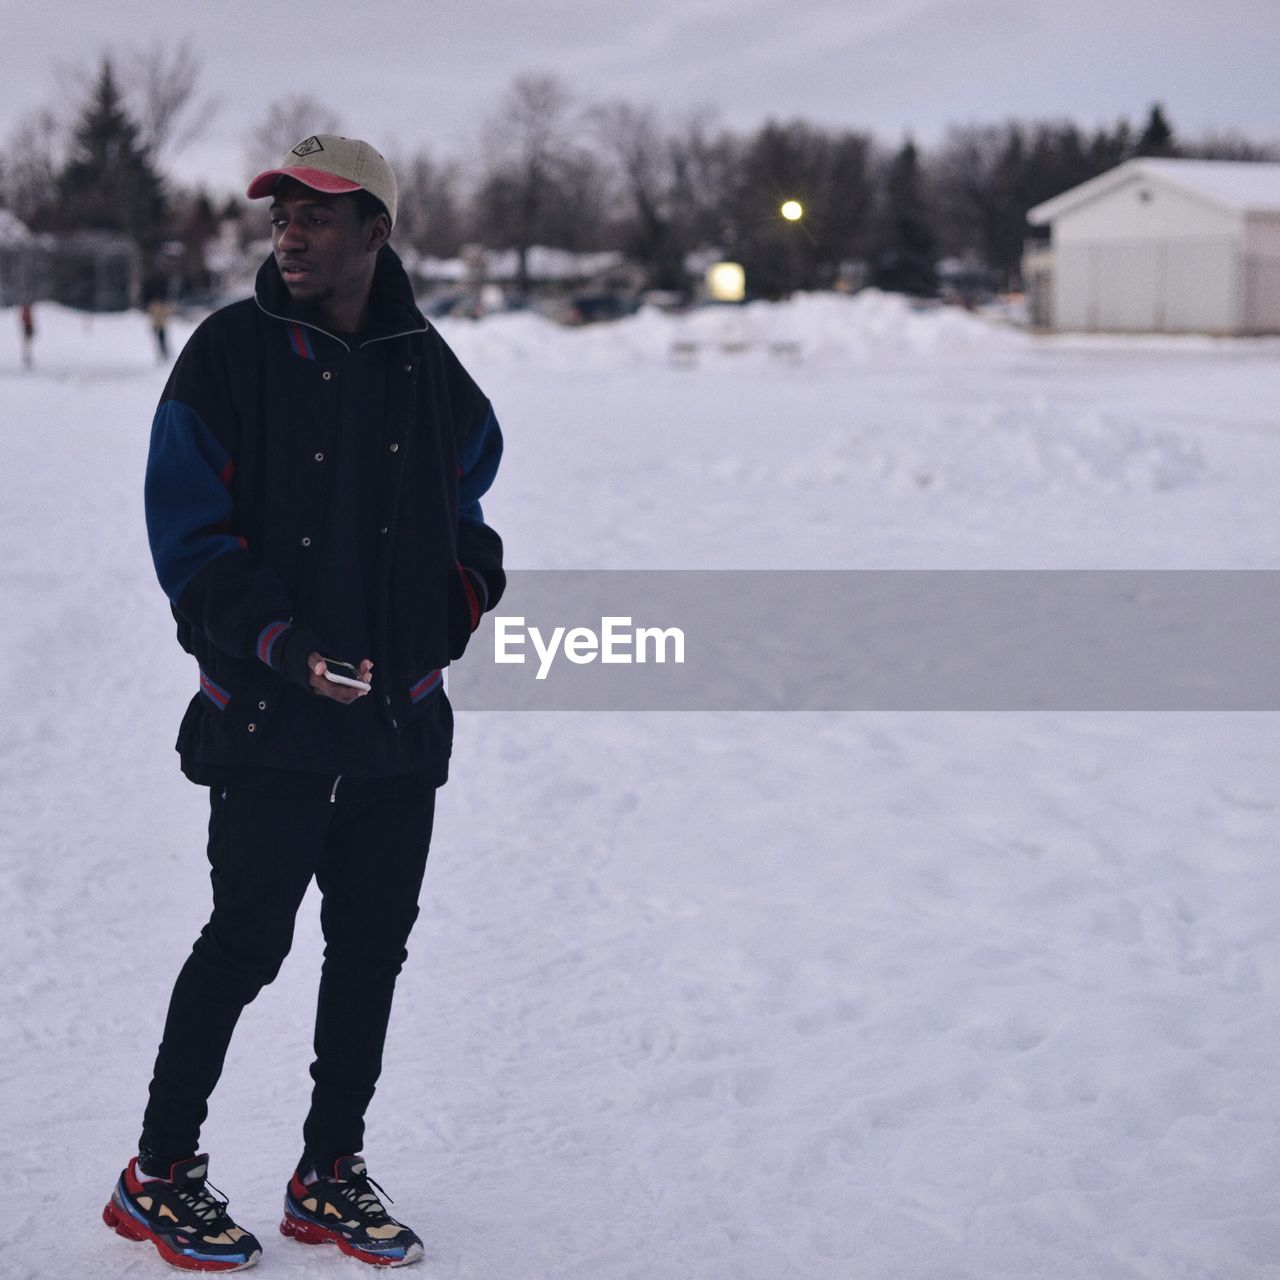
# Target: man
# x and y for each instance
(312, 498)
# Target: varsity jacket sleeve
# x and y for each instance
(479, 453)
(204, 563)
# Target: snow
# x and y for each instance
(1245, 184)
(913, 996)
(1252, 186)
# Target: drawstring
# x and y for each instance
(333, 795)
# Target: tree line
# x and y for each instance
(554, 170)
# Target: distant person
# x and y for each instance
(27, 325)
(313, 505)
(160, 311)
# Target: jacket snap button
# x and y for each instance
(408, 368)
(395, 724)
(306, 542)
(319, 457)
(251, 727)
(262, 706)
(383, 529)
(395, 448)
(327, 375)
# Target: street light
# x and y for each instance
(792, 211)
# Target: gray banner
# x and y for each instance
(877, 640)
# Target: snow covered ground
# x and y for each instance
(725, 997)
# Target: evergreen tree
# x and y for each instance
(1157, 137)
(904, 260)
(1110, 147)
(109, 182)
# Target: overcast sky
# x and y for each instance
(407, 75)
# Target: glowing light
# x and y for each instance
(726, 281)
(792, 210)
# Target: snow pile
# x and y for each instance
(1007, 453)
(823, 327)
(952, 997)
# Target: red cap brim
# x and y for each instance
(265, 183)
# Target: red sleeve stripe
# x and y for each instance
(472, 602)
(214, 692)
(267, 640)
(428, 684)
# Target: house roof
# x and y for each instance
(1243, 185)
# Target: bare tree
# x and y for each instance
(287, 122)
(829, 174)
(33, 157)
(160, 84)
(641, 166)
(1231, 146)
(706, 161)
(529, 150)
(985, 177)
(429, 217)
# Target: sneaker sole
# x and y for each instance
(125, 1226)
(313, 1233)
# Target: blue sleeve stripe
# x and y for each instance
(478, 464)
(188, 502)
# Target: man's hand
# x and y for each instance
(343, 693)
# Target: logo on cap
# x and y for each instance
(309, 147)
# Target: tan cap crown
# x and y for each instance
(333, 164)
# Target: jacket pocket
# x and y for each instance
(421, 689)
(241, 708)
(429, 706)
(214, 694)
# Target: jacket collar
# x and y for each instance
(392, 310)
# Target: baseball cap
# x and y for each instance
(335, 165)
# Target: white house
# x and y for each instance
(1165, 246)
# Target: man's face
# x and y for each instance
(324, 252)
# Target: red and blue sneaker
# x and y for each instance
(343, 1209)
(182, 1216)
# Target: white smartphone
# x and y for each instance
(343, 673)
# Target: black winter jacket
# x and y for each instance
(237, 495)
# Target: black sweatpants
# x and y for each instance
(270, 831)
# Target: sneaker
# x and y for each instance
(182, 1216)
(344, 1209)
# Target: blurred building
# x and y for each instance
(25, 262)
(96, 271)
(89, 270)
(566, 286)
(1162, 246)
